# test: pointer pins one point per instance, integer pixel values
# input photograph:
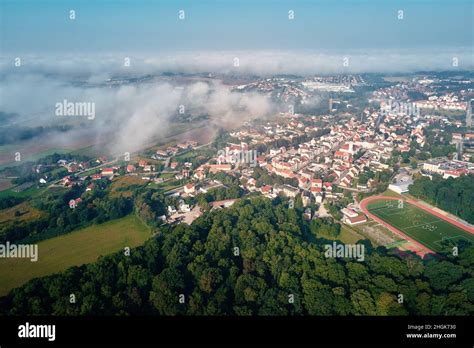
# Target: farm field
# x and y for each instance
(425, 228)
(29, 192)
(25, 210)
(123, 186)
(73, 249)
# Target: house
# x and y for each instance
(184, 208)
(74, 202)
(359, 219)
(251, 184)
(280, 165)
(319, 198)
(290, 191)
(303, 183)
(215, 168)
(454, 173)
(317, 192)
(131, 168)
(67, 181)
(107, 172)
(328, 186)
(199, 174)
(346, 181)
(148, 168)
(266, 189)
(190, 188)
(400, 187)
(349, 148)
(72, 168)
(182, 146)
(172, 150)
(349, 212)
(344, 156)
(162, 153)
(282, 172)
(317, 183)
(142, 163)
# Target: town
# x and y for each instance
(327, 162)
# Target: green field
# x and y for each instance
(348, 235)
(29, 192)
(418, 224)
(73, 249)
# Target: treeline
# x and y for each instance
(264, 178)
(13, 134)
(149, 206)
(254, 258)
(58, 218)
(453, 195)
(10, 201)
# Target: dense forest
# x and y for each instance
(453, 195)
(256, 258)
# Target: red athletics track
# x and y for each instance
(441, 216)
(363, 207)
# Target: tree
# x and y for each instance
(442, 274)
(255, 258)
(363, 303)
(167, 288)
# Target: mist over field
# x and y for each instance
(134, 113)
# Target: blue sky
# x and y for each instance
(134, 26)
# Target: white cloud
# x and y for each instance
(137, 113)
(254, 62)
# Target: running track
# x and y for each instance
(363, 207)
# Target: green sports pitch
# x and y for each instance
(427, 229)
